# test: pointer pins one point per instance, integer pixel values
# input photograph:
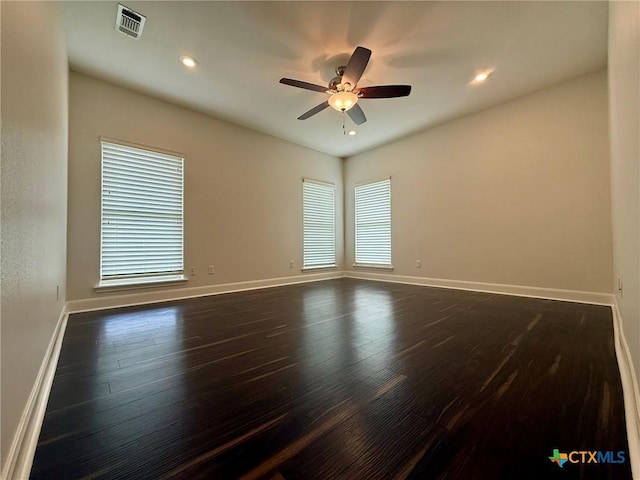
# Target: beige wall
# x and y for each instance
(33, 197)
(624, 83)
(517, 194)
(243, 189)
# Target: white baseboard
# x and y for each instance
(164, 295)
(167, 294)
(630, 389)
(594, 298)
(23, 448)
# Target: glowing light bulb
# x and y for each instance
(482, 76)
(188, 62)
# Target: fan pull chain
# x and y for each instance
(344, 119)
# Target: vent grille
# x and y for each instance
(129, 22)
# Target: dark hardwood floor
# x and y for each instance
(341, 379)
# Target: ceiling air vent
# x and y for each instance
(129, 22)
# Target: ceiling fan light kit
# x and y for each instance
(343, 101)
(343, 92)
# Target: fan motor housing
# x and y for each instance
(336, 82)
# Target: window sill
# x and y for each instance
(373, 265)
(318, 267)
(138, 283)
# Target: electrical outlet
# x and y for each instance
(57, 292)
(620, 287)
(192, 271)
(291, 264)
(418, 263)
(211, 270)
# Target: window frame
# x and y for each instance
(332, 188)
(139, 280)
(369, 264)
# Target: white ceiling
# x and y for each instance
(244, 48)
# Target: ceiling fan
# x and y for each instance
(343, 92)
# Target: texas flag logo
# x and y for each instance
(559, 458)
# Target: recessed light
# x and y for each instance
(188, 61)
(352, 132)
(482, 76)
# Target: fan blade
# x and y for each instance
(305, 85)
(355, 67)
(314, 110)
(356, 114)
(384, 91)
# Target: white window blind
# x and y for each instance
(319, 225)
(373, 223)
(142, 219)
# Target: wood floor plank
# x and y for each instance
(342, 378)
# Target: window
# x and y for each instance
(373, 224)
(319, 224)
(142, 222)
